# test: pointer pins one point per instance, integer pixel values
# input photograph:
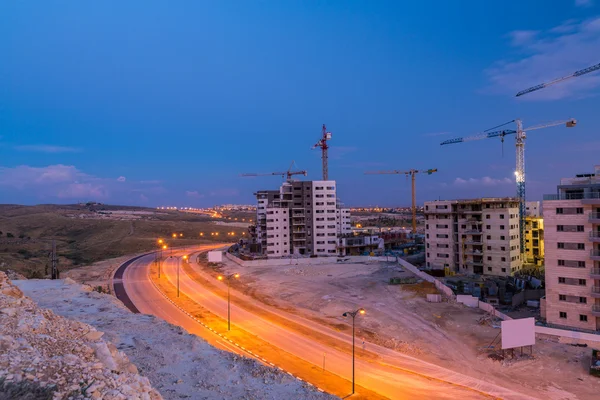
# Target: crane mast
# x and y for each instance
(322, 143)
(412, 173)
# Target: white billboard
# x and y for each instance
(518, 332)
(215, 256)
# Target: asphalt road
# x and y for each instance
(385, 378)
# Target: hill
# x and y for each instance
(86, 233)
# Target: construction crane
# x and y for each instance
(322, 143)
(564, 78)
(412, 173)
(289, 173)
(520, 158)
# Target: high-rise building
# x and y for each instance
(302, 218)
(532, 209)
(478, 236)
(534, 240)
(572, 252)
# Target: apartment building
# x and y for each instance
(572, 252)
(533, 209)
(301, 218)
(478, 236)
(534, 240)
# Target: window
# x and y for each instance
(562, 297)
(489, 247)
(487, 216)
(561, 262)
(559, 210)
(501, 226)
(583, 300)
(489, 268)
(582, 318)
(579, 210)
(582, 282)
(563, 314)
(502, 248)
(560, 245)
(502, 237)
(503, 258)
(580, 228)
(489, 237)
(503, 269)
(489, 258)
(562, 280)
(580, 246)
(463, 227)
(501, 216)
(488, 227)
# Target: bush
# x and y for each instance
(9, 235)
(25, 391)
(22, 236)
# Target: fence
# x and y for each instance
(446, 291)
(303, 260)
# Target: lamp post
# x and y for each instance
(353, 314)
(156, 255)
(164, 247)
(184, 257)
(228, 277)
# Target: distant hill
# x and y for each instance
(85, 233)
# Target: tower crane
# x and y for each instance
(520, 137)
(412, 173)
(322, 143)
(564, 78)
(289, 173)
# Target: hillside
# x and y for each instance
(84, 234)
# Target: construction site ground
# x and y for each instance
(399, 317)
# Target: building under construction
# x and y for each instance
(477, 236)
(302, 218)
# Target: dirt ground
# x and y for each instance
(399, 317)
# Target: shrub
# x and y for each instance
(9, 235)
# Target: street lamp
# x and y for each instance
(353, 314)
(228, 277)
(163, 247)
(174, 235)
(178, 265)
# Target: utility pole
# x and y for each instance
(55, 273)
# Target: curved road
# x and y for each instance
(388, 379)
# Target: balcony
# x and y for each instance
(594, 218)
(595, 273)
(298, 221)
(480, 264)
(596, 310)
(474, 221)
(474, 243)
(595, 254)
(596, 292)
(299, 231)
(595, 236)
(585, 197)
(473, 232)
(472, 252)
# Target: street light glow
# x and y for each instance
(220, 278)
(174, 235)
(164, 247)
(236, 275)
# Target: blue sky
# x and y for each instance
(166, 103)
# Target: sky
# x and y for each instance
(158, 103)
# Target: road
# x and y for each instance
(388, 378)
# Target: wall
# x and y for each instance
(467, 300)
(570, 336)
(446, 291)
(301, 261)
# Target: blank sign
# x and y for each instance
(215, 256)
(518, 332)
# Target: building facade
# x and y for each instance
(303, 218)
(533, 209)
(572, 252)
(534, 240)
(479, 236)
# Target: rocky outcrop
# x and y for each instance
(63, 356)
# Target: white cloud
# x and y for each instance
(194, 194)
(521, 38)
(485, 181)
(584, 3)
(121, 179)
(83, 191)
(45, 148)
(546, 55)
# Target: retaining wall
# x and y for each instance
(303, 261)
(446, 291)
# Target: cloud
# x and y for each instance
(225, 192)
(546, 55)
(194, 194)
(521, 38)
(121, 179)
(485, 181)
(583, 3)
(45, 148)
(24, 175)
(83, 191)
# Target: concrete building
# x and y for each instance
(534, 240)
(572, 252)
(532, 209)
(301, 218)
(479, 236)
